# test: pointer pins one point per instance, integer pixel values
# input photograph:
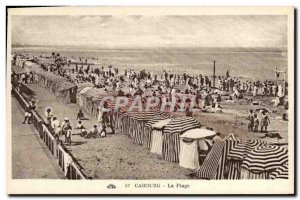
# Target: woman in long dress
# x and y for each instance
(280, 91)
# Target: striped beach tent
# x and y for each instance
(140, 122)
(216, 164)
(209, 169)
(125, 119)
(224, 170)
(148, 128)
(189, 146)
(171, 133)
(157, 136)
(118, 111)
(131, 126)
(231, 137)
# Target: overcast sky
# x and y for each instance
(151, 31)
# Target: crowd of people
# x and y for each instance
(64, 128)
(133, 82)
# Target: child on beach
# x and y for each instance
(66, 126)
(103, 131)
(265, 121)
(256, 123)
(80, 115)
(93, 132)
(68, 135)
(48, 115)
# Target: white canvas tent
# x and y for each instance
(157, 136)
(190, 142)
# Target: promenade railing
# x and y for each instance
(66, 161)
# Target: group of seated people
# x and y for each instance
(94, 131)
(58, 129)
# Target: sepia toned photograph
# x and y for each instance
(150, 100)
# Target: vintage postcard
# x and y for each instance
(150, 100)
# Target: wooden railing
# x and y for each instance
(69, 166)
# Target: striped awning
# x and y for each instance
(265, 158)
(181, 124)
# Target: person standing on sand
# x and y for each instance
(227, 74)
(265, 121)
(48, 115)
(100, 114)
(68, 138)
(256, 123)
(280, 91)
(65, 127)
(255, 90)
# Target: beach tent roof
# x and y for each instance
(160, 124)
(85, 90)
(158, 118)
(63, 84)
(147, 115)
(181, 125)
(198, 133)
(81, 86)
(231, 136)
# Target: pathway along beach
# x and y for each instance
(35, 162)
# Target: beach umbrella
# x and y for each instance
(265, 158)
(280, 173)
(239, 150)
